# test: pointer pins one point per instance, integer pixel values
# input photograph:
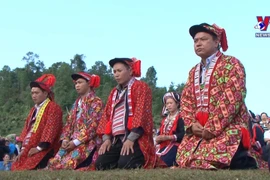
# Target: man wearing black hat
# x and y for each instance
(213, 107)
(41, 133)
(79, 139)
(126, 124)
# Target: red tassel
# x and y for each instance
(221, 33)
(223, 41)
(136, 67)
(94, 81)
(245, 138)
(108, 128)
(202, 117)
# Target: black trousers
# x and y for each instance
(241, 160)
(43, 163)
(112, 159)
(266, 152)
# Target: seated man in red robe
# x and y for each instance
(79, 139)
(126, 124)
(43, 126)
(213, 107)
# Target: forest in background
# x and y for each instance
(15, 97)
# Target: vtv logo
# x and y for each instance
(262, 23)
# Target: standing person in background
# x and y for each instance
(265, 120)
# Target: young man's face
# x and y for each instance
(204, 44)
(38, 95)
(82, 86)
(122, 74)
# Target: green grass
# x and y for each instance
(139, 174)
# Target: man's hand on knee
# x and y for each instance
(106, 145)
(127, 147)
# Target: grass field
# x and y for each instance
(139, 174)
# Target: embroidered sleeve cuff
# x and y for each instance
(39, 148)
(174, 137)
(44, 145)
(76, 142)
(133, 136)
(105, 137)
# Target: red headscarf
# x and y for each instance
(45, 82)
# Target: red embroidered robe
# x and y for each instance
(82, 128)
(227, 115)
(49, 130)
(141, 97)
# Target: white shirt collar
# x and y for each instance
(40, 105)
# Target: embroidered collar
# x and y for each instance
(202, 94)
(208, 60)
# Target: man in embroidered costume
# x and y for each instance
(79, 139)
(41, 133)
(127, 123)
(213, 107)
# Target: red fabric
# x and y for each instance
(202, 117)
(173, 129)
(142, 117)
(108, 128)
(129, 125)
(245, 138)
(136, 67)
(49, 130)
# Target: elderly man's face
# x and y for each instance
(204, 44)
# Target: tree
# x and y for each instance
(150, 77)
(33, 63)
(107, 81)
(77, 63)
(171, 87)
(64, 87)
(180, 87)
